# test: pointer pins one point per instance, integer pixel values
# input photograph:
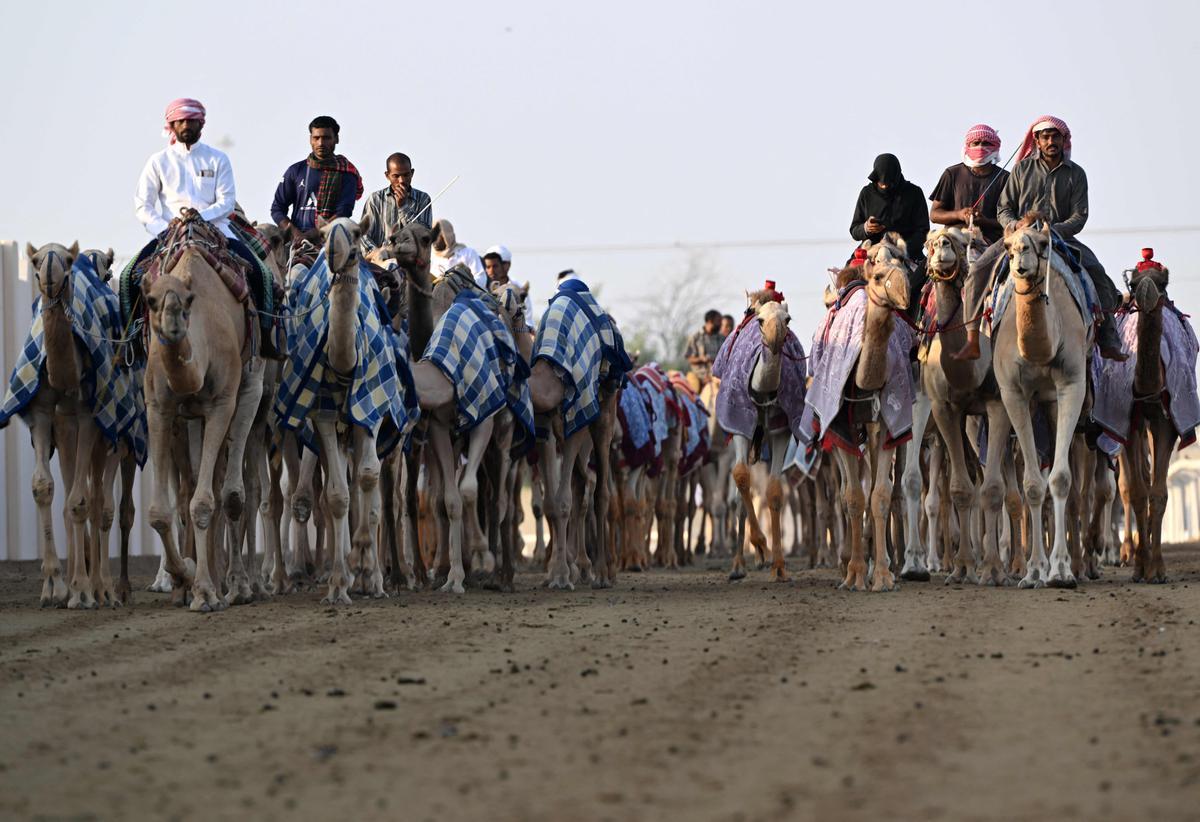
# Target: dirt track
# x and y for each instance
(675, 696)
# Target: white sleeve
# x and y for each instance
(147, 200)
(226, 194)
(475, 264)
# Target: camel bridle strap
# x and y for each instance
(56, 298)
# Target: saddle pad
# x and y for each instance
(476, 352)
(1080, 286)
(583, 343)
(378, 395)
(637, 437)
(736, 411)
(836, 347)
(1113, 406)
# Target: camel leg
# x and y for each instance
(992, 569)
(881, 503)
(41, 426)
(390, 471)
(1131, 460)
(337, 509)
(468, 486)
(1015, 508)
(602, 438)
(162, 514)
(277, 519)
(104, 472)
(538, 507)
(79, 503)
(962, 490)
(914, 568)
(1017, 406)
(934, 508)
(1106, 487)
(507, 491)
(856, 503)
(1083, 472)
(442, 451)
(205, 596)
(559, 494)
(411, 516)
(1162, 443)
(125, 522)
(369, 504)
(1062, 563)
(741, 479)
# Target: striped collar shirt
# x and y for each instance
(387, 215)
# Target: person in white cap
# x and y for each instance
(497, 261)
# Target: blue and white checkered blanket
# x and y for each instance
(112, 392)
(477, 353)
(577, 336)
(378, 396)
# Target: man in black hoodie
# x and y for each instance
(891, 203)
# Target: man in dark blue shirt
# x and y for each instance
(323, 185)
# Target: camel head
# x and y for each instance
(887, 278)
(946, 252)
(891, 250)
(342, 236)
(773, 322)
(1025, 248)
(277, 248)
(52, 270)
(511, 298)
(102, 261)
(411, 247)
(169, 299)
(1146, 294)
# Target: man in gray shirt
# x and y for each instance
(1044, 182)
(395, 206)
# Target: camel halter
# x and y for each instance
(55, 298)
(1039, 287)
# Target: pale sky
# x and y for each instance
(583, 125)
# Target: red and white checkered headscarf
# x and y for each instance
(1041, 124)
(185, 108)
(979, 156)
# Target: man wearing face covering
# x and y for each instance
(891, 203)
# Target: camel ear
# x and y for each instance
(111, 258)
(74, 249)
(30, 252)
(364, 225)
(524, 290)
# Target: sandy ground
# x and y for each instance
(673, 696)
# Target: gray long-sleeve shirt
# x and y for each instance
(386, 215)
(1060, 193)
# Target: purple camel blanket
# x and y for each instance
(836, 347)
(736, 412)
(1113, 381)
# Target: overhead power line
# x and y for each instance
(684, 245)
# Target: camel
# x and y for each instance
(578, 339)
(1040, 349)
(714, 476)
(443, 402)
(198, 366)
(952, 389)
(778, 418)
(1147, 453)
(887, 292)
(62, 415)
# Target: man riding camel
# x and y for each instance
(1045, 184)
(324, 184)
(397, 205)
(891, 203)
(497, 261)
(702, 348)
(969, 192)
(190, 174)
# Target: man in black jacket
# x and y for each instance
(891, 203)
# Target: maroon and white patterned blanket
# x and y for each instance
(736, 411)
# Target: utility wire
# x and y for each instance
(681, 245)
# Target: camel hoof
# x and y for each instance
(600, 584)
(453, 586)
(1067, 581)
(634, 569)
(1031, 582)
(779, 575)
(736, 574)
(559, 584)
(915, 575)
(883, 583)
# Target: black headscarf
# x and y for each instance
(887, 171)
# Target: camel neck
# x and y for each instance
(952, 335)
(1037, 322)
(62, 358)
(872, 360)
(1147, 373)
(420, 313)
(340, 349)
(767, 371)
(184, 374)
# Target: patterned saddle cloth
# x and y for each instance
(378, 394)
(112, 386)
(585, 347)
(477, 353)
